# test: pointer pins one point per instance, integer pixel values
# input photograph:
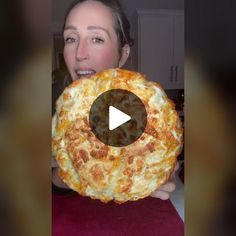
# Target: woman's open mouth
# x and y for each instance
(84, 73)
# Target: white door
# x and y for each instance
(179, 51)
(156, 48)
(161, 46)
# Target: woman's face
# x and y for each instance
(91, 43)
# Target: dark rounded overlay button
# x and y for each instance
(117, 117)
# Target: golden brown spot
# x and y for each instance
(78, 164)
(94, 154)
(62, 113)
(169, 139)
(99, 153)
(66, 96)
(154, 120)
(151, 131)
(116, 163)
(158, 171)
(139, 164)
(74, 84)
(61, 125)
(63, 175)
(122, 151)
(97, 173)
(86, 122)
(70, 147)
(156, 164)
(60, 157)
(83, 186)
(129, 172)
(111, 158)
(127, 186)
(78, 124)
(155, 111)
(84, 155)
(171, 103)
(151, 146)
(72, 135)
(55, 143)
(130, 159)
(88, 133)
(142, 151)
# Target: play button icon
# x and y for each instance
(117, 117)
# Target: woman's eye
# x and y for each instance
(97, 40)
(70, 40)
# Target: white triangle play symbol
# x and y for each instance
(117, 118)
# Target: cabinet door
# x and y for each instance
(179, 51)
(155, 55)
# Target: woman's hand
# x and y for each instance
(165, 190)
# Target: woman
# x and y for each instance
(96, 35)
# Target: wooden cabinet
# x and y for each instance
(161, 46)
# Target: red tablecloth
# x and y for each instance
(76, 215)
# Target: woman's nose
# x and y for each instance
(82, 51)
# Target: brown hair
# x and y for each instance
(122, 26)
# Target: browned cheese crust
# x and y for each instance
(115, 173)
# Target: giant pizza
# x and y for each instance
(120, 173)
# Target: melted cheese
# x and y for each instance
(110, 173)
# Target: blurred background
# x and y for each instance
(25, 117)
(29, 58)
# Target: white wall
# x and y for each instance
(131, 5)
(60, 7)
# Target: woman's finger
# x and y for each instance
(160, 194)
(168, 187)
(164, 191)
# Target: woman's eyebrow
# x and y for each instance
(96, 27)
(92, 27)
(70, 27)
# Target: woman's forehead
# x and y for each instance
(91, 13)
